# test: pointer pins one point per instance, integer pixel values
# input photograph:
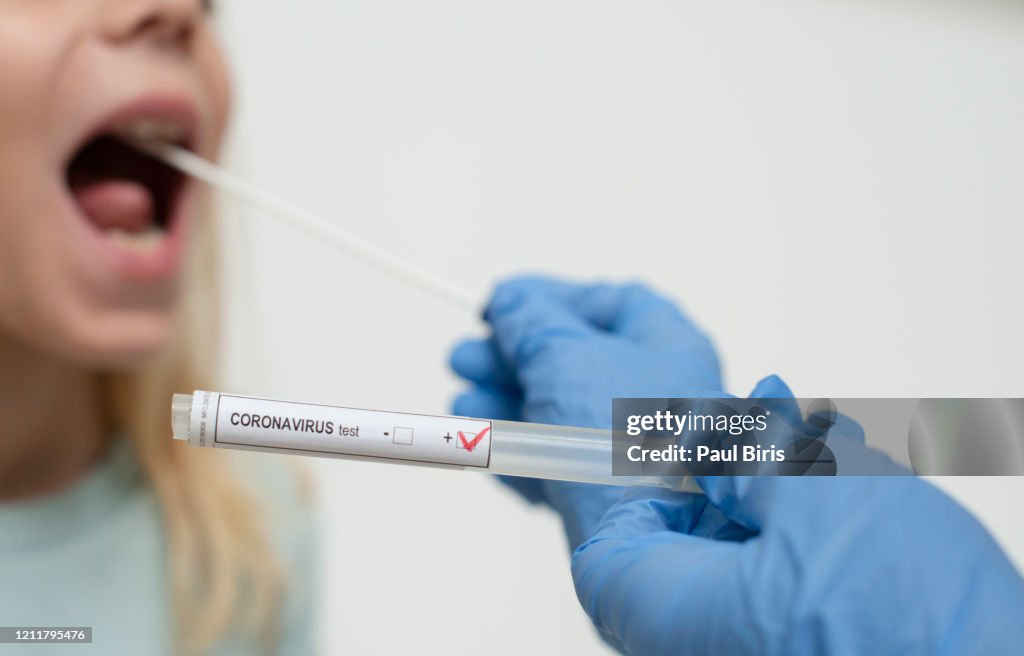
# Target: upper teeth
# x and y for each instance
(149, 129)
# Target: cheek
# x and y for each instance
(34, 48)
(35, 273)
(43, 307)
(216, 81)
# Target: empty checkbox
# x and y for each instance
(402, 435)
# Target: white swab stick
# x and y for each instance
(310, 224)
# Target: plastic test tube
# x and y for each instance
(211, 419)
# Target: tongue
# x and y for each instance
(120, 204)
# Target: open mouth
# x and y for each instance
(126, 194)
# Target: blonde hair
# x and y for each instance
(224, 575)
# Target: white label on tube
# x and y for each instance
(325, 429)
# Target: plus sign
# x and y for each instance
(447, 437)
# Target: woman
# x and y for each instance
(104, 522)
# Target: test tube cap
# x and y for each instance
(181, 415)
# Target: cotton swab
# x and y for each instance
(311, 225)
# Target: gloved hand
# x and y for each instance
(800, 565)
(560, 352)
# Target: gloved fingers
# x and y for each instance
(488, 403)
(756, 502)
(633, 311)
(637, 313)
(589, 300)
(640, 514)
(746, 500)
(664, 593)
(512, 290)
(479, 361)
(643, 510)
(650, 589)
(825, 423)
(526, 323)
(782, 402)
(743, 499)
(785, 425)
(849, 429)
(537, 284)
(711, 523)
(716, 526)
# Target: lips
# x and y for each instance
(131, 202)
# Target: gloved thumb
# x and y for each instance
(745, 499)
(640, 568)
(780, 399)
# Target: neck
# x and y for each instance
(52, 425)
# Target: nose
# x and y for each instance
(165, 22)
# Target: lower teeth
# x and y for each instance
(143, 242)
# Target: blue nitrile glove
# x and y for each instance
(560, 352)
(800, 565)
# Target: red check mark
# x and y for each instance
(470, 445)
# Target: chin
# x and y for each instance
(123, 342)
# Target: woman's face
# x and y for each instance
(92, 234)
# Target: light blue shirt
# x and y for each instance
(96, 555)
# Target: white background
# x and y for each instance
(833, 189)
